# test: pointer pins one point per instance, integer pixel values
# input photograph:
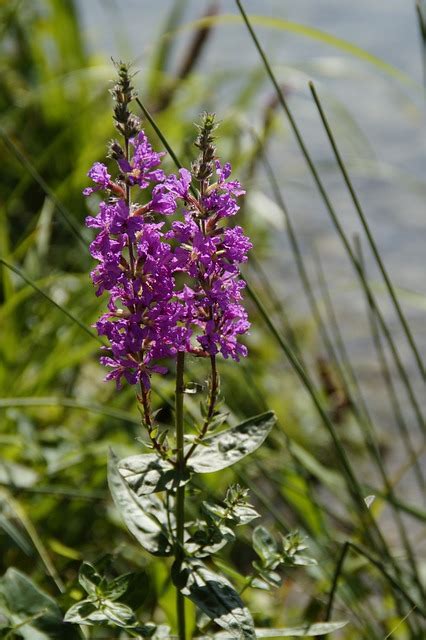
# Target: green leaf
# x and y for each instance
(270, 577)
(114, 589)
(317, 629)
(84, 612)
(215, 596)
(16, 475)
(103, 611)
(145, 516)
(245, 513)
(149, 473)
(118, 613)
(264, 544)
(13, 532)
(89, 578)
(227, 447)
(36, 613)
(304, 561)
(208, 539)
(214, 511)
(257, 583)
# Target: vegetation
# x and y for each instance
(323, 477)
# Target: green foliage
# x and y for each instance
(100, 607)
(145, 516)
(235, 508)
(225, 448)
(28, 612)
(272, 555)
(215, 596)
(149, 474)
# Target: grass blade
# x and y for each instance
(366, 227)
(66, 216)
(69, 315)
(335, 220)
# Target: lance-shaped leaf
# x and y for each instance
(25, 607)
(304, 631)
(223, 449)
(145, 516)
(149, 473)
(215, 596)
(102, 611)
(307, 631)
(89, 578)
(264, 544)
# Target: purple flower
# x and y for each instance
(221, 333)
(100, 176)
(220, 200)
(162, 202)
(121, 367)
(179, 187)
(235, 245)
(140, 169)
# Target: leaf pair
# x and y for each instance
(100, 607)
(272, 555)
(149, 473)
(134, 480)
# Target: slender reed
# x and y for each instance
(335, 220)
(372, 243)
(393, 398)
(362, 415)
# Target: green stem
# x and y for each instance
(337, 225)
(397, 585)
(180, 492)
(214, 389)
(371, 241)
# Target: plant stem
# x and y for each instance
(180, 492)
(214, 389)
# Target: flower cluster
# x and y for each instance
(173, 285)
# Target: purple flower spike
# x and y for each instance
(150, 317)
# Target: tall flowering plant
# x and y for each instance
(170, 265)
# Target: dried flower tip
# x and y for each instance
(206, 128)
(202, 168)
(115, 150)
(123, 91)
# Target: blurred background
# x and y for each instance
(57, 417)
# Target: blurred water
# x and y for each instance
(378, 120)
